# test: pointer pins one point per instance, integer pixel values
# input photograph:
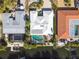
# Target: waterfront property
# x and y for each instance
(68, 23)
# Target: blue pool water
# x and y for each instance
(37, 37)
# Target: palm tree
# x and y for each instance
(27, 29)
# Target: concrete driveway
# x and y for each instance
(47, 4)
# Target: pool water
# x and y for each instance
(76, 29)
(37, 37)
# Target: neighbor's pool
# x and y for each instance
(37, 37)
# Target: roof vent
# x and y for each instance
(12, 16)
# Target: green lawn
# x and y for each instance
(27, 46)
(7, 5)
(2, 49)
(54, 21)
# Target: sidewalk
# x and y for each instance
(15, 44)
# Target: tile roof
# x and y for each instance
(62, 21)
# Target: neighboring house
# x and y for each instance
(64, 3)
(68, 23)
(14, 24)
(41, 22)
(77, 3)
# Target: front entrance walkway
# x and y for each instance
(15, 44)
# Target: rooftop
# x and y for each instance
(14, 22)
(63, 17)
(42, 24)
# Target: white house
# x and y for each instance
(14, 24)
(41, 22)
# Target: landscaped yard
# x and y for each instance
(2, 49)
(37, 5)
(7, 5)
(45, 52)
(62, 53)
(54, 7)
(29, 46)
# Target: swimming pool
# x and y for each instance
(37, 37)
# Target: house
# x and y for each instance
(68, 23)
(41, 22)
(14, 25)
(77, 3)
(64, 3)
(14, 28)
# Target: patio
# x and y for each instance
(15, 44)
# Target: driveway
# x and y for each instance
(22, 2)
(47, 4)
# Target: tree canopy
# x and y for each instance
(9, 4)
